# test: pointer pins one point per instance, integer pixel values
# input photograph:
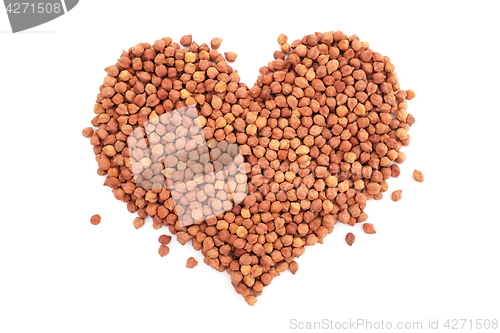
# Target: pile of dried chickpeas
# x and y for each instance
(320, 131)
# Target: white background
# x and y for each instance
(435, 253)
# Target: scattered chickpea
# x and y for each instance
(215, 43)
(164, 239)
(368, 228)
(282, 39)
(349, 238)
(186, 40)
(397, 195)
(138, 222)
(87, 132)
(418, 176)
(191, 262)
(251, 300)
(163, 250)
(410, 94)
(95, 219)
(231, 56)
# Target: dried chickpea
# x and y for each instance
(418, 176)
(191, 263)
(231, 56)
(368, 228)
(349, 238)
(95, 219)
(215, 43)
(163, 250)
(410, 94)
(164, 239)
(397, 195)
